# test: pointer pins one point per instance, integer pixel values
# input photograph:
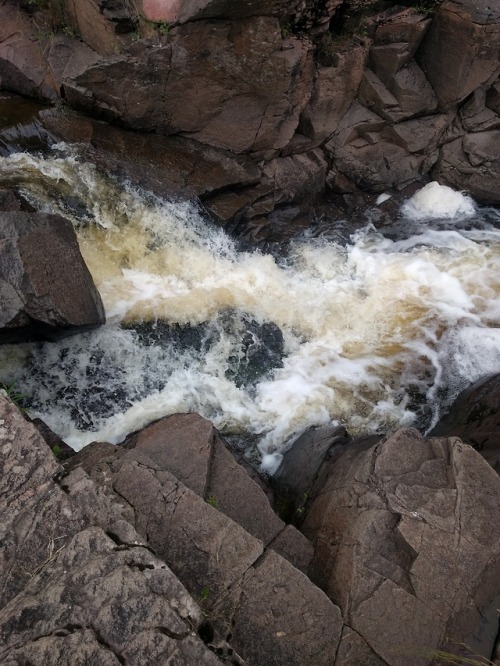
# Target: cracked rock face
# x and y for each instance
(241, 90)
(407, 542)
(74, 591)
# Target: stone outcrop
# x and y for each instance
(270, 82)
(46, 290)
(460, 52)
(71, 588)
(166, 166)
(151, 551)
(242, 88)
(127, 564)
(406, 536)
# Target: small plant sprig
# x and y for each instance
(163, 28)
(213, 501)
(13, 394)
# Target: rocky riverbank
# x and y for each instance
(165, 550)
(169, 549)
(293, 99)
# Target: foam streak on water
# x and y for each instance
(377, 334)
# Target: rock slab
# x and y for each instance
(46, 290)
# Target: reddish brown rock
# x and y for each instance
(295, 178)
(420, 135)
(375, 164)
(407, 541)
(242, 88)
(472, 163)
(23, 67)
(189, 447)
(333, 93)
(460, 51)
(164, 165)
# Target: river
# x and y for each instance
(379, 332)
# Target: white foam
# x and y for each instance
(438, 201)
(365, 326)
(381, 198)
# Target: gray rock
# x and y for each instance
(300, 466)
(46, 290)
(71, 592)
(274, 614)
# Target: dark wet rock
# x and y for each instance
(295, 477)
(241, 90)
(295, 178)
(406, 536)
(165, 166)
(475, 417)
(46, 289)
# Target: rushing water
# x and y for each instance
(381, 332)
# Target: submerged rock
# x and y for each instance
(46, 290)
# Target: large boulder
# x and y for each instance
(242, 88)
(407, 542)
(165, 165)
(46, 290)
(460, 51)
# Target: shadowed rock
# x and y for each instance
(46, 290)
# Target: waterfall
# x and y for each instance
(380, 332)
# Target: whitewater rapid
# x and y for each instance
(374, 334)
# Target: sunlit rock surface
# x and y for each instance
(407, 542)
